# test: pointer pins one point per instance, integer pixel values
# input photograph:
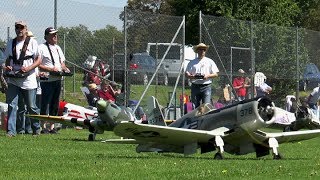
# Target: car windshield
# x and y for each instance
(311, 69)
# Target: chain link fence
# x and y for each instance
(145, 51)
(281, 53)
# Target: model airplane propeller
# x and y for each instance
(235, 129)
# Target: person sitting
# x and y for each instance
(109, 91)
(92, 96)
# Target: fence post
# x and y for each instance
(298, 66)
(252, 50)
(74, 79)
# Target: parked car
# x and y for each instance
(310, 78)
(173, 66)
(141, 68)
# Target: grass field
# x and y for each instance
(69, 156)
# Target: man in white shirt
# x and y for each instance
(50, 81)
(22, 57)
(201, 71)
(313, 98)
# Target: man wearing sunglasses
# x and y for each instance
(22, 58)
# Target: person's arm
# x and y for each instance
(212, 75)
(36, 63)
(64, 67)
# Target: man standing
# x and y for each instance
(52, 63)
(201, 71)
(313, 99)
(22, 58)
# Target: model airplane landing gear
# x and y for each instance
(277, 156)
(218, 156)
(219, 143)
(92, 137)
(273, 143)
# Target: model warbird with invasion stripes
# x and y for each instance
(235, 129)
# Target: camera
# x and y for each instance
(15, 74)
(198, 76)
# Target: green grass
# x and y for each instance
(69, 156)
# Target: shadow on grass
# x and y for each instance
(179, 156)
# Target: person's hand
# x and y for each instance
(66, 70)
(8, 68)
(55, 69)
(25, 69)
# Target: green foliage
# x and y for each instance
(79, 42)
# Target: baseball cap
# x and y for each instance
(22, 23)
(50, 30)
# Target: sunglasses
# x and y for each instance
(19, 27)
(201, 49)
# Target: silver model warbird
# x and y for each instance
(234, 129)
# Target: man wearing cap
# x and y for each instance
(52, 62)
(22, 57)
(201, 71)
(240, 85)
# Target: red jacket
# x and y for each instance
(240, 81)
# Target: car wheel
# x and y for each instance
(145, 79)
(165, 80)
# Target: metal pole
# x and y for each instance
(231, 60)
(298, 66)
(125, 84)
(63, 81)
(252, 61)
(183, 70)
(200, 29)
(113, 55)
(55, 13)
(8, 34)
(157, 76)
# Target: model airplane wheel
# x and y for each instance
(91, 137)
(218, 156)
(277, 156)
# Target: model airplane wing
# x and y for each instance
(165, 134)
(62, 119)
(293, 136)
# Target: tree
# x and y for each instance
(80, 42)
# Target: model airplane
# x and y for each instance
(234, 129)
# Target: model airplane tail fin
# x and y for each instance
(306, 118)
(153, 112)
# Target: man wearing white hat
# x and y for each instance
(201, 71)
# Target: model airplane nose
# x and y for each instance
(101, 105)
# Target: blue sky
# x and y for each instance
(39, 14)
(113, 3)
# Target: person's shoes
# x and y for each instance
(53, 131)
(44, 131)
(36, 133)
(21, 132)
(9, 135)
